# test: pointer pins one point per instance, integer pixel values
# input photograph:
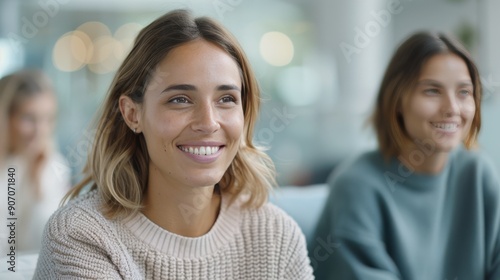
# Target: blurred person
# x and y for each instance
(178, 189)
(28, 109)
(422, 206)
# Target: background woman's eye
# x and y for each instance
(465, 92)
(431, 91)
(28, 118)
(179, 100)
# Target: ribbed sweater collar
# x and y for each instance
(174, 245)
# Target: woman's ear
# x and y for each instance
(131, 113)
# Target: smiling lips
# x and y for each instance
(200, 150)
(207, 153)
(446, 127)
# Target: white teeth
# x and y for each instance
(203, 151)
(446, 126)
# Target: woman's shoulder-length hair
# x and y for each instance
(400, 79)
(118, 163)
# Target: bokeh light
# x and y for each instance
(93, 45)
(69, 53)
(276, 48)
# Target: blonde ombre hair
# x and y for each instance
(400, 79)
(118, 164)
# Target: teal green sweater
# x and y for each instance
(382, 221)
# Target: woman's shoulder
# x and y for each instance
(361, 163)
(273, 212)
(88, 203)
(271, 220)
(477, 166)
(368, 170)
(274, 236)
(468, 158)
(272, 233)
(78, 215)
(473, 164)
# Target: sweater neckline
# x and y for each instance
(422, 180)
(182, 247)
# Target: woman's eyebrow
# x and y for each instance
(465, 83)
(185, 87)
(228, 87)
(438, 84)
(430, 83)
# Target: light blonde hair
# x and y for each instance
(118, 163)
(401, 77)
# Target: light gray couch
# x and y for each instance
(304, 204)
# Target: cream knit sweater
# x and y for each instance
(79, 243)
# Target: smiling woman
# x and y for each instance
(178, 189)
(440, 109)
(192, 121)
(425, 207)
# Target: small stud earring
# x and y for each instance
(135, 130)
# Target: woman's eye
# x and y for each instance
(179, 100)
(465, 92)
(28, 118)
(431, 91)
(228, 99)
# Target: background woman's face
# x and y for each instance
(192, 115)
(32, 123)
(441, 108)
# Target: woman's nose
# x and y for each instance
(450, 107)
(205, 119)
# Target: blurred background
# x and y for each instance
(319, 64)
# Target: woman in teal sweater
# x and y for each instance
(422, 206)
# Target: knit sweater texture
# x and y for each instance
(80, 243)
(384, 221)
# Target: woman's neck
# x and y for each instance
(183, 210)
(423, 161)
